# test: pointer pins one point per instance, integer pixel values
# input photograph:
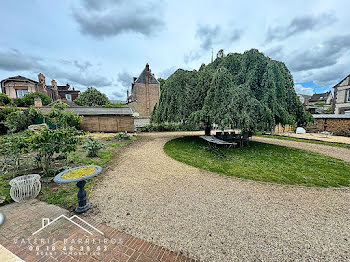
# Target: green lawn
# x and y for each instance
(306, 140)
(263, 162)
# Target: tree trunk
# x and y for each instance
(207, 129)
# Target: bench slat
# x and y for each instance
(217, 141)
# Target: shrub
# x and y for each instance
(11, 148)
(122, 136)
(93, 146)
(28, 99)
(4, 112)
(16, 121)
(51, 141)
(5, 100)
(19, 120)
(64, 119)
(120, 104)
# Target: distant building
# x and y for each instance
(19, 86)
(341, 102)
(304, 99)
(320, 103)
(145, 92)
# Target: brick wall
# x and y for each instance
(339, 127)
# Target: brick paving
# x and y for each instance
(64, 240)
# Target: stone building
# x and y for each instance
(19, 86)
(145, 92)
(341, 101)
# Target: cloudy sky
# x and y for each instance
(104, 43)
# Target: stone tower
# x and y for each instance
(145, 92)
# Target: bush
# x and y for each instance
(4, 112)
(51, 141)
(20, 120)
(11, 148)
(122, 136)
(64, 119)
(5, 100)
(17, 121)
(168, 127)
(120, 104)
(28, 99)
(93, 146)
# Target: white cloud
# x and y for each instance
(299, 89)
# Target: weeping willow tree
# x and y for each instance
(249, 90)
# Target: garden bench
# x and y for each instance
(216, 141)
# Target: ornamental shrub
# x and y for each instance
(93, 146)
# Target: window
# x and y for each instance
(69, 97)
(348, 95)
(347, 112)
(21, 92)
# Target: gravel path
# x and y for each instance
(333, 151)
(219, 218)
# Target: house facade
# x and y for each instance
(19, 86)
(341, 102)
(145, 92)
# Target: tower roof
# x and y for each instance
(143, 77)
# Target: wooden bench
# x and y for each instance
(216, 141)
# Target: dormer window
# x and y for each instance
(69, 97)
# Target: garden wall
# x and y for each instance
(337, 124)
(107, 123)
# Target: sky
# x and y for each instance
(105, 43)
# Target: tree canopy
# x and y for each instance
(92, 97)
(249, 90)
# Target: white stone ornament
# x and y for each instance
(25, 187)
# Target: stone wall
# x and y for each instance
(141, 121)
(340, 127)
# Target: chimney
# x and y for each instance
(38, 102)
(54, 84)
(135, 78)
(147, 67)
(41, 78)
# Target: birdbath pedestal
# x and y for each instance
(79, 175)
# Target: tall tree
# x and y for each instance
(247, 89)
(92, 97)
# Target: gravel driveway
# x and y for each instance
(218, 218)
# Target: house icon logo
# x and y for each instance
(88, 228)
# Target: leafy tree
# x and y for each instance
(92, 97)
(5, 100)
(248, 89)
(51, 141)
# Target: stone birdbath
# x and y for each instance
(79, 175)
